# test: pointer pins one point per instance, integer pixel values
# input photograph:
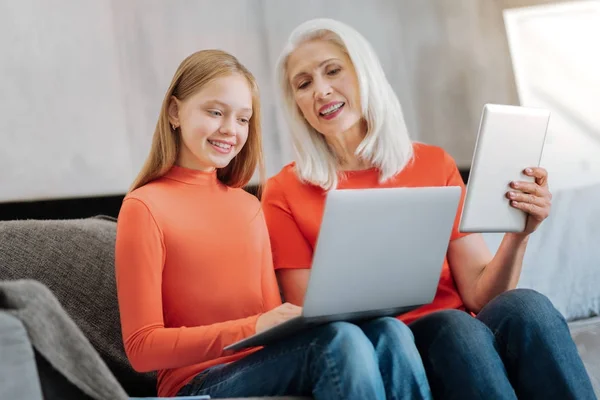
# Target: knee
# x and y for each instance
(343, 343)
(344, 337)
(393, 325)
(528, 307)
(393, 338)
(449, 320)
(451, 328)
(389, 327)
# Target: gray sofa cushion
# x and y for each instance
(58, 340)
(18, 372)
(586, 334)
(563, 257)
(75, 260)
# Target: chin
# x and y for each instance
(332, 131)
(222, 163)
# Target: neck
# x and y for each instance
(189, 162)
(344, 146)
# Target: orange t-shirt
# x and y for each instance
(194, 271)
(293, 211)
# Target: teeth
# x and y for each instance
(332, 108)
(220, 144)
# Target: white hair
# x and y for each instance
(387, 144)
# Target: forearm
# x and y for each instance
(155, 347)
(503, 271)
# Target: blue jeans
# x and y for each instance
(340, 360)
(519, 346)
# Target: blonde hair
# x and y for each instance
(387, 144)
(192, 74)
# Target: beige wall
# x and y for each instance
(458, 65)
(81, 85)
(460, 60)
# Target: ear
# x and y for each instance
(173, 111)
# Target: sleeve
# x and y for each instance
(453, 178)
(139, 261)
(270, 288)
(289, 246)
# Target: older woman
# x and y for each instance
(348, 132)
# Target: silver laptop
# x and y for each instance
(379, 253)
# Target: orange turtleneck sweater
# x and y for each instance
(194, 272)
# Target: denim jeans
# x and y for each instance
(375, 360)
(518, 346)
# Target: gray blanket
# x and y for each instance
(58, 339)
(75, 260)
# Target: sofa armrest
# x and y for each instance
(18, 373)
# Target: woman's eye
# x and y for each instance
(215, 113)
(244, 120)
(334, 71)
(303, 85)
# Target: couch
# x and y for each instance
(74, 260)
(66, 269)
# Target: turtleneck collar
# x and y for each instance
(192, 176)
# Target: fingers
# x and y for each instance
(288, 314)
(532, 197)
(535, 211)
(281, 318)
(279, 321)
(291, 307)
(540, 174)
(277, 316)
(542, 193)
(289, 310)
(528, 187)
(527, 198)
(292, 313)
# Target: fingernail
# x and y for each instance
(515, 184)
(528, 170)
(511, 194)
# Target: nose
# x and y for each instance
(322, 89)
(228, 126)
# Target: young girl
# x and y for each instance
(194, 267)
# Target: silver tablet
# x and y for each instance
(510, 139)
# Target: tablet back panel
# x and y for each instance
(510, 139)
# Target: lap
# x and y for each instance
(523, 304)
(277, 375)
(279, 369)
